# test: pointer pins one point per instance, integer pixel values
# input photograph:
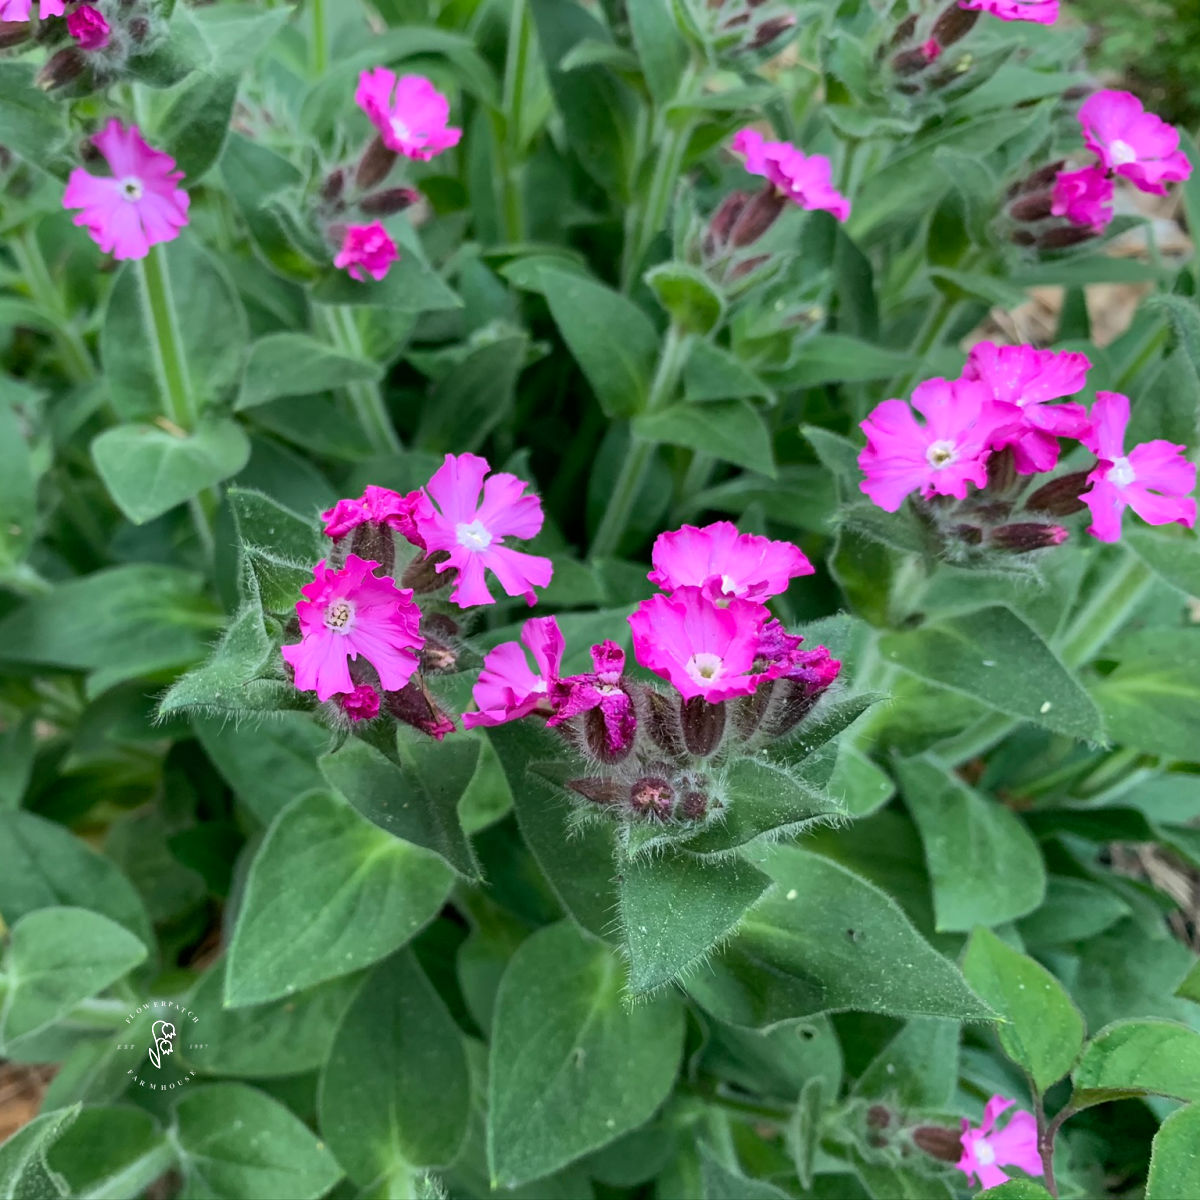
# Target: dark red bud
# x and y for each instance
(768, 31)
(1001, 471)
(334, 186)
(1042, 178)
(971, 534)
(605, 743)
(13, 33)
(721, 223)
(598, 791)
(389, 201)
(694, 806)
(422, 575)
(703, 725)
(67, 65)
(139, 30)
(904, 30)
(413, 705)
(758, 215)
(1064, 236)
(914, 61)
(954, 24)
(939, 1142)
(748, 711)
(374, 543)
(1022, 237)
(1024, 536)
(375, 164)
(1032, 207)
(662, 723)
(878, 1117)
(652, 796)
(747, 265)
(1060, 497)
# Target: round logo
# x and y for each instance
(157, 1031)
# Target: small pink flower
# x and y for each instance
(507, 688)
(1044, 12)
(136, 207)
(939, 458)
(1022, 380)
(366, 248)
(348, 613)
(410, 114)
(931, 50)
(985, 1151)
(705, 649)
(600, 689)
(805, 179)
(18, 10)
(89, 28)
(816, 669)
(472, 533)
(362, 704)
(380, 506)
(1154, 478)
(1084, 197)
(725, 562)
(1133, 142)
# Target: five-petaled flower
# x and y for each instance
(599, 689)
(366, 249)
(508, 688)
(985, 1150)
(89, 28)
(1132, 142)
(1084, 197)
(1044, 12)
(806, 179)
(409, 113)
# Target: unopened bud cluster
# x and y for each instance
(95, 43)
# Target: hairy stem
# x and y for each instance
(320, 39)
(166, 341)
(31, 263)
(341, 328)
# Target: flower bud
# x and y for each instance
(1035, 206)
(748, 711)
(334, 186)
(422, 575)
(662, 723)
(375, 164)
(757, 216)
(1001, 471)
(904, 31)
(694, 806)
(608, 742)
(139, 30)
(721, 223)
(1041, 179)
(1027, 535)
(67, 65)
(652, 796)
(939, 1142)
(916, 59)
(413, 705)
(703, 725)
(389, 201)
(954, 24)
(1064, 236)
(375, 543)
(878, 1117)
(13, 33)
(1060, 497)
(599, 791)
(771, 29)
(1022, 237)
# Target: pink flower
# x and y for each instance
(815, 669)
(1084, 197)
(1133, 142)
(1022, 380)
(600, 689)
(725, 562)
(1154, 479)
(18, 10)
(88, 27)
(703, 648)
(136, 207)
(1044, 12)
(472, 533)
(940, 457)
(507, 688)
(805, 179)
(985, 1151)
(348, 613)
(366, 248)
(362, 704)
(380, 506)
(410, 113)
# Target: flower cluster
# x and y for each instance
(998, 423)
(736, 677)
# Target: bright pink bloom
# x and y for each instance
(18, 10)
(348, 613)
(931, 50)
(600, 688)
(507, 688)
(139, 205)
(985, 1150)
(1022, 380)
(806, 179)
(1044, 12)
(362, 704)
(1154, 478)
(940, 457)
(1084, 197)
(472, 533)
(725, 562)
(381, 506)
(410, 114)
(815, 669)
(1133, 142)
(88, 27)
(704, 648)
(366, 248)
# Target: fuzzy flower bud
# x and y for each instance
(652, 796)
(376, 164)
(604, 792)
(389, 201)
(1060, 497)
(939, 1142)
(62, 68)
(703, 725)
(954, 24)
(1024, 536)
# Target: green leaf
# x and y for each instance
(917, 1069)
(319, 866)
(32, 126)
(1189, 989)
(675, 908)
(572, 1066)
(24, 1173)
(1175, 560)
(1139, 1058)
(721, 1182)
(1016, 1189)
(396, 1089)
(235, 1141)
(731, 430)
(110, 1152)
(149, 470)
(1175, 1157)
(267, 524)
(1072, 911)
(56, 958)
(294, 364)
(196, 123)
(18, 486)
(688, 297)
(993, 656)
(887, 1181)
(836, 358)
(985, 866)
(663, 53)
(1042, 1030)
(712, 373)
(824, 940)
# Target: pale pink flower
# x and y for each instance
(725, 562)
(705, 649)
(472, 532)
(600, 689)
(89, 28)
(1132, 142)
(366, 248)
(139, 205)
(380, 506)
(1023, 380)
(362, 704)
(410, 114)
(508, 688)
(985, 1150)
(1044, 12)
(1084, 197)
(939, 458)
(1154, 478)
(348, 613)
(806, 179)
(18, 10)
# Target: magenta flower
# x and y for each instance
(815, 669)
(348, 613)
(410, 114)
(139, 205)
(362, 704)
(985, 1151)
(1132, 142)
(705, 649)
(380, 506)
(507, 688)
(18, 10)
(1084, 197)
(1154, 478)
(600, 689)
(472, 533)
(938, 458)
(89, 28)
(1022, 380)
(366, 248)
(805, 179)
(725, 562)
(1044, 12)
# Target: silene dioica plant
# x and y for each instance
(829, 827)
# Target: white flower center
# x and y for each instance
(131, 189)
(984, 1154)
(1121, 153)
(400, 130)
(339, 616)
(941, 454)
(473, 535)
(1121, 472)
(728, 585)
(704, 668)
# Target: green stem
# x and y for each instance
(32, 265)
(938, 319)
(170, 358)
(341, 327)
(699, 472)
(320, 39)
(516, 70)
